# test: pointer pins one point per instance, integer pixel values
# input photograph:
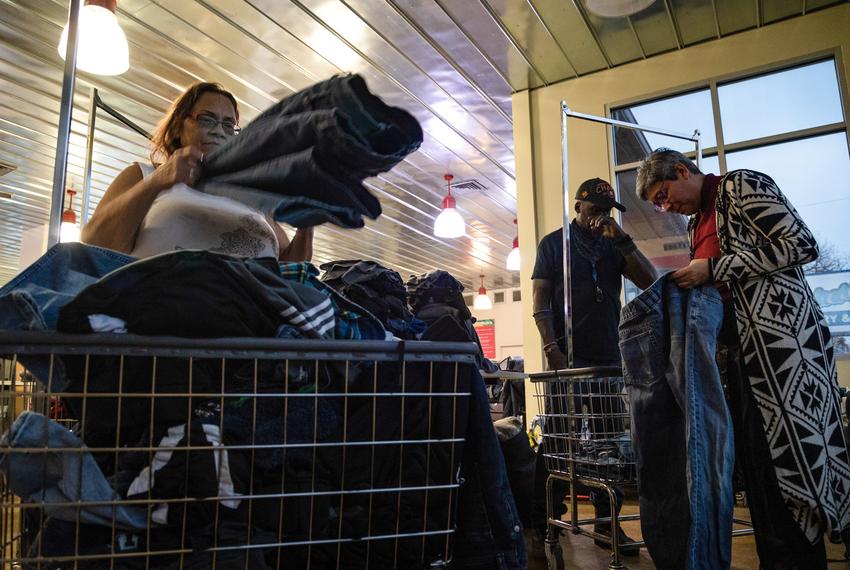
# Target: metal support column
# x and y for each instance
(89, 153)
(63, 135)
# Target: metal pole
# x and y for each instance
(626, 125)
(89, 152)
(565, 187)
(63, 134)
(696, 139)
(566, 112)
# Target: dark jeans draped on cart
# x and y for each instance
(681, 426)
(300, 424)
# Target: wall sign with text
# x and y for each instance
(486, 329)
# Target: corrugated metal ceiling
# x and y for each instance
(452, 63)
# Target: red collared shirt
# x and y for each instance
(706, 244)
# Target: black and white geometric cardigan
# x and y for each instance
(786, 347)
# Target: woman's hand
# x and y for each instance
(694, 275)
(184, 166)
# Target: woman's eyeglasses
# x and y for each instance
(209, 122)
(659, 199)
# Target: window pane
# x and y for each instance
(710, 165)
(814, 174)
(682, 114)
(781, 102)
(832, 290)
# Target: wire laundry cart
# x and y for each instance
(229, 453)
(586, 441)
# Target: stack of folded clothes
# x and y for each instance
(304, 159)
(377, 289)
(437, 299)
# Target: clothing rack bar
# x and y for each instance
(566, 112)
(116, 114)
(84, 208)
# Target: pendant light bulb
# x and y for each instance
(616, 8)
(68, 230)
(101, 44)
(449, 224)
(482, 302)
(512, 263)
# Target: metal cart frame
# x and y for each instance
(427, 378)
(559, 395)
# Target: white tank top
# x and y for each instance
(183, 218)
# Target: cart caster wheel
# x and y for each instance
(554, 555)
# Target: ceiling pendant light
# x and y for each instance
(69, 231)
(616, 8)
(512, 262)
(102, 46)
(449, 224)
(482, 301)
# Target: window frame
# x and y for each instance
(712, 84)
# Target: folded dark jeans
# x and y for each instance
(297, 211)
(298, 173)
(318, 144)
(393, 130)
(340, 149)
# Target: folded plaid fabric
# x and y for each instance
(352, 321)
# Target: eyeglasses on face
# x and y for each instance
(660, 198)
(209, 122)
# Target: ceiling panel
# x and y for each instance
(523, 24)
(736, 15)
(650, 25)
(490, 35)
(775, 10)
(695, 20)
(572, 33)
(615, 36)
(452, 63)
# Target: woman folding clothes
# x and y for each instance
(152, 208)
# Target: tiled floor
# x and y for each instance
(581, 553)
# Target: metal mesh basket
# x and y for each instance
(586, 424)
(178, 453)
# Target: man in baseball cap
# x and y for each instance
(600, 193)
(601, 253)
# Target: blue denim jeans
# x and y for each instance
(61, 475)
(31, 301)
(681, 426)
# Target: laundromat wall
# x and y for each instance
(537, 130)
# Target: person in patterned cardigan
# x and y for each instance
(776, 351)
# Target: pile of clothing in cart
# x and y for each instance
(193, 458)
